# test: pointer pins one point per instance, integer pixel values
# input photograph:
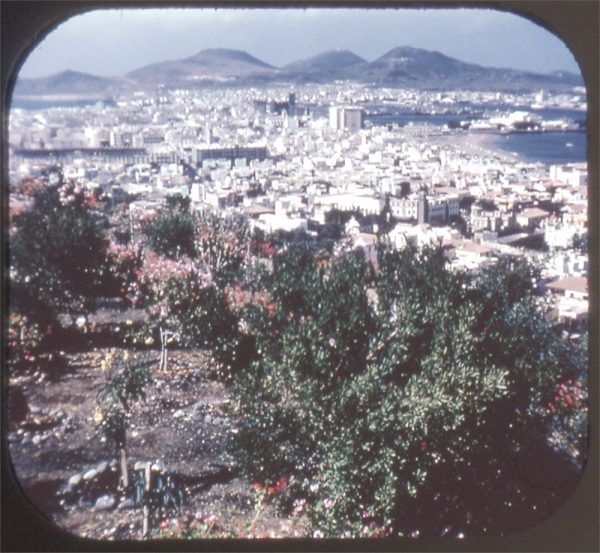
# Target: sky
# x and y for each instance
(114, 42)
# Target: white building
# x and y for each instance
(572, 175)
(346, 118)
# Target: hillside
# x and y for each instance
(403, 67)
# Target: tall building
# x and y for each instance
(346, 118)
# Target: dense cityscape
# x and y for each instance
(264, 153)
(310, 309)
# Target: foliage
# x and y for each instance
(123, 271)
(171, 234)
(56, 253)
(221, 246)
(203, 318)
(165, 496)
(396, 401)
(124, 384)
(24, 340)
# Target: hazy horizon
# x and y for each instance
(112, 42)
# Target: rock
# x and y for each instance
(208, 419)
(75, 480)
(35, 409)
(178, 414)
(104, 502)
(36, 439)
(159, 466)
(90, 474)
(26, 439)
(126, 504)
(102, 467)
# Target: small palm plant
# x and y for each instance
(125, 381)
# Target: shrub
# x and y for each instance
(221, 246)
(171, 234)
(416, 406)
(56, 253)
(124, 384)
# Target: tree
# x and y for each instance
(57, 252)
(125, 381)
(412, 400)
(222, 244)
(171, 234)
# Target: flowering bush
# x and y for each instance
(221, 246)
(124, 268)
(568, 410)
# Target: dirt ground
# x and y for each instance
(183, 423)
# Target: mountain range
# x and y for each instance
(401, 67)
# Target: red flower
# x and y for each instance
(282, 484)
(423, 445)
(257, 486)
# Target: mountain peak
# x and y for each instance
(411, 52)
(226, 54)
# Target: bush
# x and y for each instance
(56, 253)
(172, 234)
(419, 405)
(221, 246)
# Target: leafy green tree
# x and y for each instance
(412, 400)
(57, 252)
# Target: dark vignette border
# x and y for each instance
(575, 527)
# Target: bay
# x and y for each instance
(549, 148)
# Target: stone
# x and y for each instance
(104, 502)
(36, 439)
(158, 466)
(207, 419)
(102, 467)
(126, 504)
(26, 439)
(90, 474)
(178, 414)
(75, 480)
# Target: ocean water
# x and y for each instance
(548, 148)
(33, 105)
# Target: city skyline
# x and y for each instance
(114, 42)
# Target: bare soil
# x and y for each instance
(184, 422)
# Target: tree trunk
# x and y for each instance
(124, 471)
(146, 521)
(162, 365)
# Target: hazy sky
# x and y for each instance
(113, 42)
